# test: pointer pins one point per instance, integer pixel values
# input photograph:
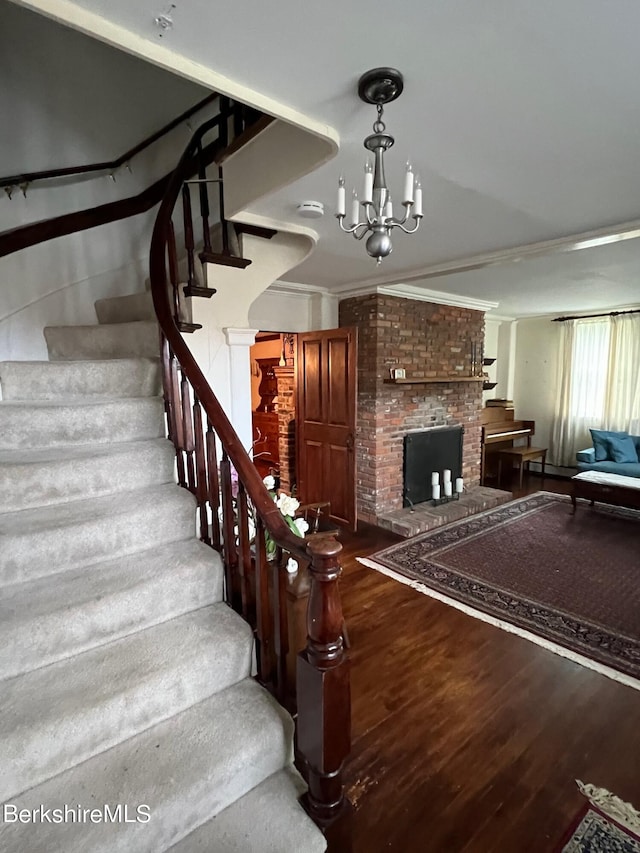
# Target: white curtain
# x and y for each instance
(622, 402)
(582, 387)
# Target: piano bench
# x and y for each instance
(522, 455)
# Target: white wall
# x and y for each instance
(535, 381)
(68, 100)
(292, 308)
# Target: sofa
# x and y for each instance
(612, 453)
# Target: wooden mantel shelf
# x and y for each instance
(431, 379)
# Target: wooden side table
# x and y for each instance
(522, 455)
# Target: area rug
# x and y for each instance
(569, 582)
(606, 824)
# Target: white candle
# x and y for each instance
(435, 478)
(408, 184)
(341, 206)
(446, 475)
(367, 195)
(435, 492)
(388, 209)
(355, 209)
(459, 485)
(447, 488)
(417, 206)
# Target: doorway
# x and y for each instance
(303, 412)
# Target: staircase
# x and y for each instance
(125, 679)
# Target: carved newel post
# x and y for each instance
(323, 686)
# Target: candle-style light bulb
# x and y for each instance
(342, 199)
(355, 209)
(367, 195)
(417, 207)
(408, 184)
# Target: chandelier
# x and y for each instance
(379, 86)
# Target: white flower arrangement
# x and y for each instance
(288, 506)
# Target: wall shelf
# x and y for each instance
(433, 379)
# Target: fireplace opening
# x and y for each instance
(427, 451)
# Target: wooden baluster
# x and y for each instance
(178, 439)
(264, 646)
(174, 278)
(224, 121)
(244, 539)
(223, 222)
(188, 235)
(229, 551)
(201, 472)
(187, 425)
(165, 353)
(214, 487)
(204, 201)
(281, 628)
(323, 687)
(238, 119)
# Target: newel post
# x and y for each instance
(323, 686)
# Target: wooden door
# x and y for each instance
(326, 420)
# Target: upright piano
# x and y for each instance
(499, 429)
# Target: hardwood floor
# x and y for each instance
(465, 737)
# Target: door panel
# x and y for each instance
(325, 420)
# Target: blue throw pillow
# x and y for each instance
(622, 448)
(600, 445)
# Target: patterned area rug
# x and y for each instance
(567, 582)
(606, 825)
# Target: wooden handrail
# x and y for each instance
(247, 472)
(108, 165)
(254, 586)
(16, 239)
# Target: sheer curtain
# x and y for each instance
(582, 386)
(622, 403)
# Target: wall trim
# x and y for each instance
(240, 337)
(419, 294)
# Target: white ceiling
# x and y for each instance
(523, 120)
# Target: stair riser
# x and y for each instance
(31, 641)
(186, 769)
(25, 556)
(123, 340)
(43, 484)
(45, 380)
(50, 426)
(122, 690)
(126, 309)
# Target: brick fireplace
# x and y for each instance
(426, 340)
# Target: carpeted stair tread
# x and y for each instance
(42, 622)
(186, 769)
(41, 424)
(116, 340)
(49, 380)
(126, 309)
(97, 699)
(278, 822)
(30, 478)
(46, 540)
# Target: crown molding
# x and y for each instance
(419, 294)
(292, 288)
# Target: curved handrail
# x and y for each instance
(108, 165)
(247, 472)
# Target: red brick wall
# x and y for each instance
(426, 340)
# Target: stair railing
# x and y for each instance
(236, 515)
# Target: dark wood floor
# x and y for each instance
(465, 737)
